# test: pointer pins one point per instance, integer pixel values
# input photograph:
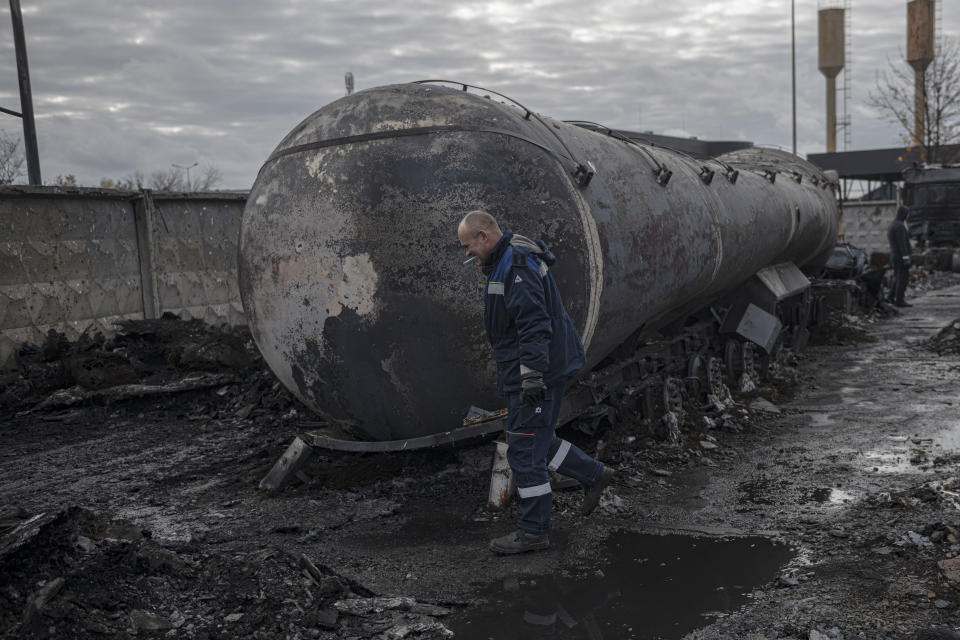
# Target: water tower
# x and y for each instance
(921, 20)
(830, 62)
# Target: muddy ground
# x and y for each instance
(838, 486)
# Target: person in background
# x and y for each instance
(899, 238)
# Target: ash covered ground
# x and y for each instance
(129, 502)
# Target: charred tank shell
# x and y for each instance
(352, 278)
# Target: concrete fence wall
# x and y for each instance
(865, 223)
(72, 259)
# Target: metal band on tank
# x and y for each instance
(403, 133)
(595, 264)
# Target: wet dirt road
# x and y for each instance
(825, 513)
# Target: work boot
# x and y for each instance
(592, 497)
(518, 542)
(902, 303)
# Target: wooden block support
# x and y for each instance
(295, 458)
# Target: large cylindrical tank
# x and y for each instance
(352, 277)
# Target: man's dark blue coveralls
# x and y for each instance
(530, 330)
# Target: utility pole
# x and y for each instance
(26, 96)
(793, 68)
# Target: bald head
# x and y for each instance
(478, 233)
(479, 221)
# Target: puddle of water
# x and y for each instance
(820, 419)
(889, 462)
(926, 407)
(913, 453)
(826, 495)
(948, 439)
(647, 587)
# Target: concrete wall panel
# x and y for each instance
(865, 223)
(74, 260)
(196, 258)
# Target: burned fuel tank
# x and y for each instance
(352, 277)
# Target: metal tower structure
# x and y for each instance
(937, 28)
(832, 58)
(846, 122)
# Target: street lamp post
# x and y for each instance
(188, 186)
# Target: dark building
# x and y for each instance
(880, 165)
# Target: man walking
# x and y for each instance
(537, 350)
(899, 238)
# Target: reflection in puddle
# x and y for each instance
(919, 408)
(889, 462)
(820, 419)
(949, 439)
(826, 495)
(648, 586)
(914, 454)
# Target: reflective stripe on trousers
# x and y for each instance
(533, 448)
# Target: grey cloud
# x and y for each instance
(223, 81)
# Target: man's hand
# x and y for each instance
(533, 389)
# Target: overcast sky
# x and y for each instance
(122, 85)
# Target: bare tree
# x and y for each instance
(130, 182)
(166, 179)
(176, 179)
(894, 97)
(172, 179)
(210, 176)
(11, 158)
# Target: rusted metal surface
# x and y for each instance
(830, 53)
(352, 277)
(485, 417)
(830, 60)
(921, 49)
(502, 484)
(921, 23)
